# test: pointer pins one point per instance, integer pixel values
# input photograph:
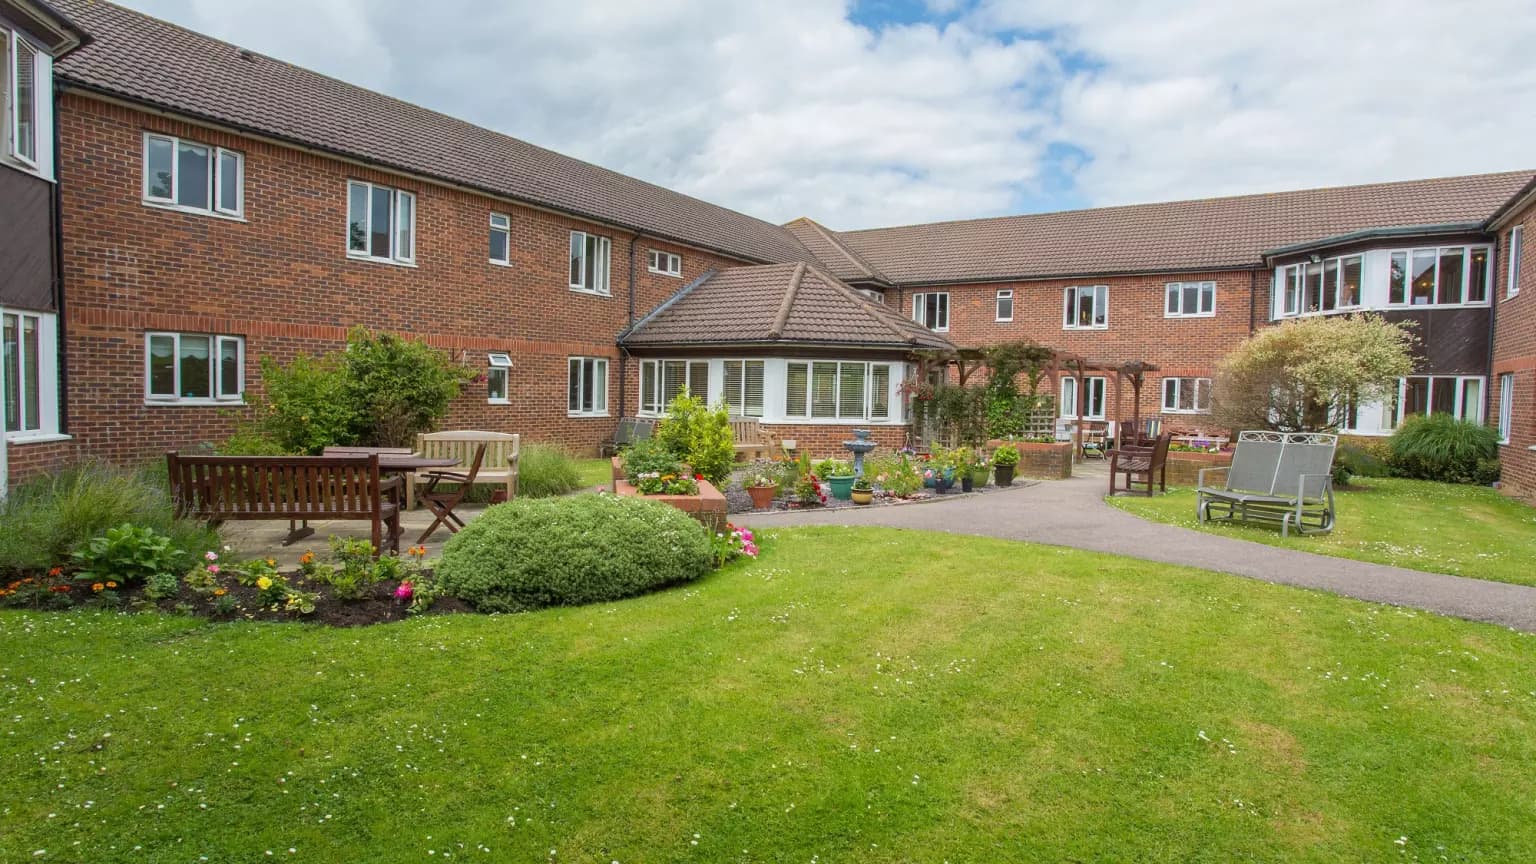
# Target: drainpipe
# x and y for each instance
(1493, 316)
(1253, 300)
(624, 353)
(61, 331)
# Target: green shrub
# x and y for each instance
(828, 468)
(49, 518)
(650, 456)
(1006, 455)
(252, 442)
(1440, 447)
(536, 552)
(130, 554)
(306, 408)
(701, 436)
(1359, 460)
(544, 471)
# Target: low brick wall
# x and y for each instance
(26, 461)
(826, 441)
(709, 506)
(1184, 468)
(1039, 461)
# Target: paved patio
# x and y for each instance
(254, 539)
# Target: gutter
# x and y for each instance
(1373, 233)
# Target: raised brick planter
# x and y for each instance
(1184, 468)
(709, 506)
(1039, 461)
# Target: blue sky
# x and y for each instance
(893, 111)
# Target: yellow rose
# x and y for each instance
(263, 583)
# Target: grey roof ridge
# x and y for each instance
(666, 304)
(877, 312)
(787, 303)
(855, 258)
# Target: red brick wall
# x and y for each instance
(824, 441)
(282, 280)
(1514, 350)
(25, 461)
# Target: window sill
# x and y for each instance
(498, 401)
(589, 292)
(499, 263)
(664, 273)
(1099, 327)
(369, 259)
(827, 421)
(1186, 411)
(584, 415)
(23, 166)
(24, 438)
(1003, 320)
(192, 211)
(193, 402)
(1199, 315)
(1411, 307)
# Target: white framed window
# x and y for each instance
(1186, 395)
(1093, 397)
(1085, 307)
(381, 223)
(196, 178)
(1321, 286)
(661, 381)
(29, 376)
(931, 310)
(1516, 241)
(872, 294)
(743, 387)
(587, 387)
(589, 262)
(1190, 300)
(1440, 276)
(665, 263)
(498, 368)
(20, 80)
(1005, 305)
(501, 239)
(193, 368)
(1506, 405)
(1460, 396)
(837, 390)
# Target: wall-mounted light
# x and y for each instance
(1315, 258)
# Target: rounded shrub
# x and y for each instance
(532, 553)
(1440, 447)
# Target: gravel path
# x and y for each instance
(1073, 513)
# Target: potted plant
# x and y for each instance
(963, 466)
(979, 470)
(1004, 461)
(839, 476)
(763, 490)
(940, 473)
(862, 492)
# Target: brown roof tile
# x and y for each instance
(777, 303)
(834, 255)
(144, 59)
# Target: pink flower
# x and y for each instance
(211, 555)
(404, 592)
(213, 568)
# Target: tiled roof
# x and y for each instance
(834, 255)
(1211, 233)
(144, 59)
(778, 303)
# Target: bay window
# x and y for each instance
(931, 310)
(1446, 276)
(29, 373)
(1190, 300)
(1187, 395)
(381, 223)
(193, 368)
(841, 390)
(589, 262)
(1093, 397)
(194, 177)
(744, 387)
(587, 387)
(661, 381)
(1086, 307)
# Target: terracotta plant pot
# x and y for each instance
(862, 496)
(1003, 474)
(762, 496)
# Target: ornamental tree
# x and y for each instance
(1301, 375)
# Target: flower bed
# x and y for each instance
(707, 504)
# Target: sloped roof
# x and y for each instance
(777, 303)
(144, 59)
(833, 254)
(1204, 234)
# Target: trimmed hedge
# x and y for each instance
(536, 552)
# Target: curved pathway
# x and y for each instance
(1073, 513)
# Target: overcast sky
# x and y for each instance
(894, 111)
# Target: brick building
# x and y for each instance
(218, 207)
(1513, 385)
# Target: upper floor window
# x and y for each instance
(497, 368)
(661, 381)
(666, 263)
(931, 310)
(1446, 276)
(1005, 304)
(501, 238)
(381, 223)
(832, 390)
(587, 387)
(29, 366)
(1086, 308)
(193, 177)
(1187, 395)
(1190, 300)
(589, 262)
(1516, 238)
(193, 367)
(18, 91)
(1322, 286)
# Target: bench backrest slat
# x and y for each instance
(746, 430)
(502, 449)
(219, 487)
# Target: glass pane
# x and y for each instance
(1173, 299)
(380, 213)
(1191, 299)
(733, 386)
(1085, 307)
(1477, 276)
(229, 182)
(1422, 279)
(162, 365)
(1202, 394)
(192, 176)
(26, 101)
(672, 381)
(405, 246)
(1349, 282)
(1095, 397)
(1451, 263)
(1068, 397)
(1312, 288)
(573, 385)
(797, 375)
(600, 386)
(196, 367)
(1397, 279)
(1187, 396)
(1170, 394)
(229, 367)
(1290, 277)
(12, 361)
(698, 381)
(357, 217)
(753, 404)
(1005, 306)
(1442, 396)
(1415, 396)
(1471, 399)
(880, 391)
(823, 389)
(1101, 306)
(943, 311)
(1330, 284)
(1208, 297)
(648, 386)
(158, 170)
(496, 383)
(498, 244)
(850, 396)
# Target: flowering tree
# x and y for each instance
(1301, 375)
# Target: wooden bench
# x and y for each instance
(751, 441)
(629, 430)
(500, 465)
(296, 488)
(1148, 463)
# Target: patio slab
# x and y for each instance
(265, 539)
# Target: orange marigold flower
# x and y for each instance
(307, 558)
(56, 571)
(219, 592)
(97, 586)
(111, 584)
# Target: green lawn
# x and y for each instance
(1439, 527)
(855, 695)
(594, 472)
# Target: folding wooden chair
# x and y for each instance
(442, 504)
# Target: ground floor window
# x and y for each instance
(837, 389)
(744, 387)
(193, 367)
(29, 379)
(661, 381)
(1187, 395)
(1093, 397)
(587, 387)
(1460, 396)
(1506, 405)
(498, 367)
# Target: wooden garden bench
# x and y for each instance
(751, 442)
(499, 466)
(1150, 464)
(296, 488)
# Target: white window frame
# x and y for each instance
(498, 365)
(1466, 276)
(1069, 303)
(1070, 413)
(1176, 289)
(664, 263)
(653, 404)
(1506, 405)
(920, 310)
(894, 371)
(47, 378)
(396, 196)
(742, 409)
(1516, 241)
(600, 273)
(1456, 405)
(1004, 294)
(217, 396)
(1201, 386)
(12, 98)
(580, 365)
(501, 224)
(215, 174)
